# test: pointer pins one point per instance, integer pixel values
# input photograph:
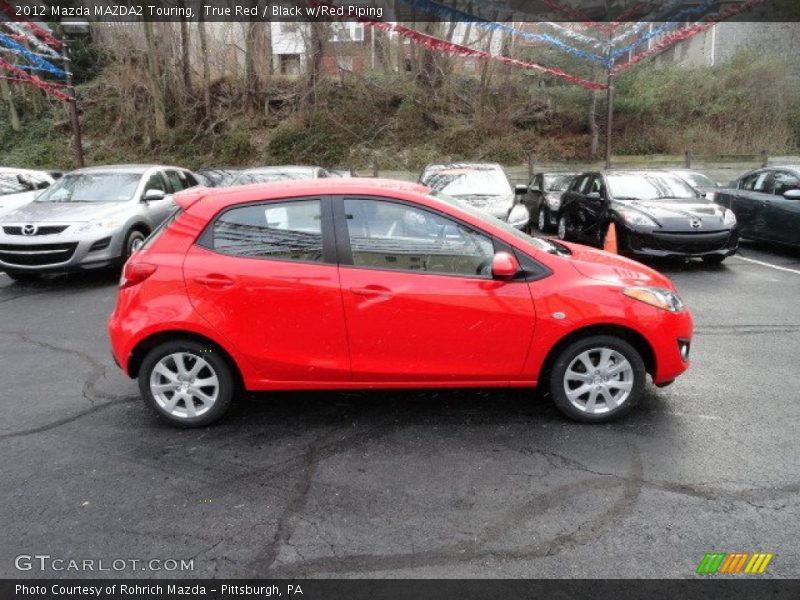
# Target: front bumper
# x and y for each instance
(60, 252)
(673, 349)
(682, 244)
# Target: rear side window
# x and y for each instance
(175, 181)
(276, 230)
(161, 228)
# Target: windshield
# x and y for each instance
(247, 177)
(10, 184)
(93, 187)
(648, 186)
(539, 243)
(557, 183)
(470, 182)
(699, 180)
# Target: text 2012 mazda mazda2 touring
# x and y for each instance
(353, 283)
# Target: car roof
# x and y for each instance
(461, 165)
(275, 190)
(279, 168)
(15, 170)
(137, 169)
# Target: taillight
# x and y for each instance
(135, 273)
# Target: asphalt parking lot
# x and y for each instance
(408, 484)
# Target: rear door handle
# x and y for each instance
(214, 280)
(371, 291)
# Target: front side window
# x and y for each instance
(92, 187)
(396, 236)
(783, 182)
(277, 230)
(156, 182)
(756, 182)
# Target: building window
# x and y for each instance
(345, 63)
(290, 64)
(347, 32)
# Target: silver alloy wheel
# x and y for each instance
(562, 228)
(136, 243)
(184, 385)
(598, 380)
(542, 221)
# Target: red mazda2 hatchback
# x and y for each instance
(355, 283)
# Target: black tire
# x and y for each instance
(24, 276)
(594, 344)
(543, 219)
(714, 259)
(217, 364)
(133, 240)
(563, 231)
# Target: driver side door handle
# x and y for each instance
(371, 291)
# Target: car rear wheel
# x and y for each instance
(563, 228)
(186, 383)
(597, 379)
(23, 276)
(543, 222)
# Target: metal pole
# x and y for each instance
(609, 119)
(77, 141)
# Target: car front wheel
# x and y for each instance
(563, 228)
(186, 383)
(597, 379)
(544, 219)
(133, 241)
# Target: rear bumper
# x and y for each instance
(662, 244)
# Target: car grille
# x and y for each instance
(41, 230)
(687, 243)
(36, 255)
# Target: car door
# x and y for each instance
(748, 200)
(265, 277)
(571, 203)
(782, 215)
(593, 208)
(533, 199)
(157, 210)
(419, 299)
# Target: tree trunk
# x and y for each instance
(12, 109)
(157, 88)
(206, 68)
(186, 66)
(593, 128)
(316, 50)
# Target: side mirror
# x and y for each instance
(520, 190)
(504, 266)
(594, 196)
(152, 195)
(792, 194)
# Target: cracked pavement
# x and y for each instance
(464, 483)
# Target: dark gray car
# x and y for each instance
(543, 198)
(88, 219)
(766, 203)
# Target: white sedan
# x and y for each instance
(18, 187)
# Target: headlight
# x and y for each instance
(553, 202)
(98, 225)
(634, 217)
(655, 296)
(729, 220)
(519, 216)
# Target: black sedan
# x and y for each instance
(766, 203)
(655, 213)
(543, 198)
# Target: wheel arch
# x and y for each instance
(633, 337)
(145, 345)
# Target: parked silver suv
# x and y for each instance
(88, 219)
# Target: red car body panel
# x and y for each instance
(293, 325)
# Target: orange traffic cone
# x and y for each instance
(610, 243)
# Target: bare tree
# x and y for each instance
(185, 61)
(12, 109)
(201, 27)
(156, 85)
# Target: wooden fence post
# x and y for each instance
(375, 168)
(688, 159)
(530, 165)
(764, 158)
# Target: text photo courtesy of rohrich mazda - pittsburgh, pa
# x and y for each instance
(399, 299)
